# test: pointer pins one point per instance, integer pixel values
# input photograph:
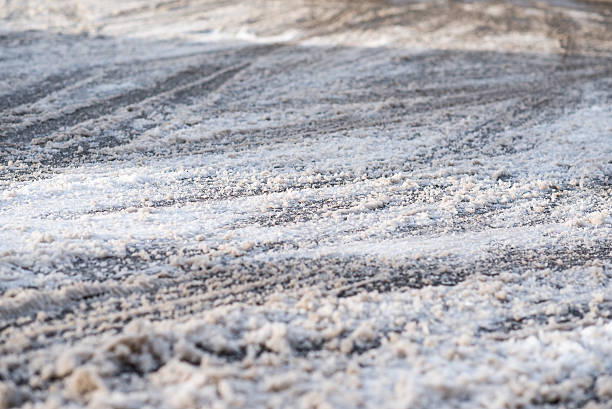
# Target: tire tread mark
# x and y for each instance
(184, 84)
(35, 92)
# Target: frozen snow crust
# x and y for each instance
(305, 204)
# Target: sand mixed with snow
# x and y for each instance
(310, 204)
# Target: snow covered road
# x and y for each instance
(305, 204)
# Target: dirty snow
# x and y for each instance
(359, 204)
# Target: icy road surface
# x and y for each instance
(309, 204)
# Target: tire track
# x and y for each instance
(34, 92)
(108, 106)
(254, 282)
(192, 81)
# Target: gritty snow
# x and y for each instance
(306, 204)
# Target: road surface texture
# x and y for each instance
(308, 204)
